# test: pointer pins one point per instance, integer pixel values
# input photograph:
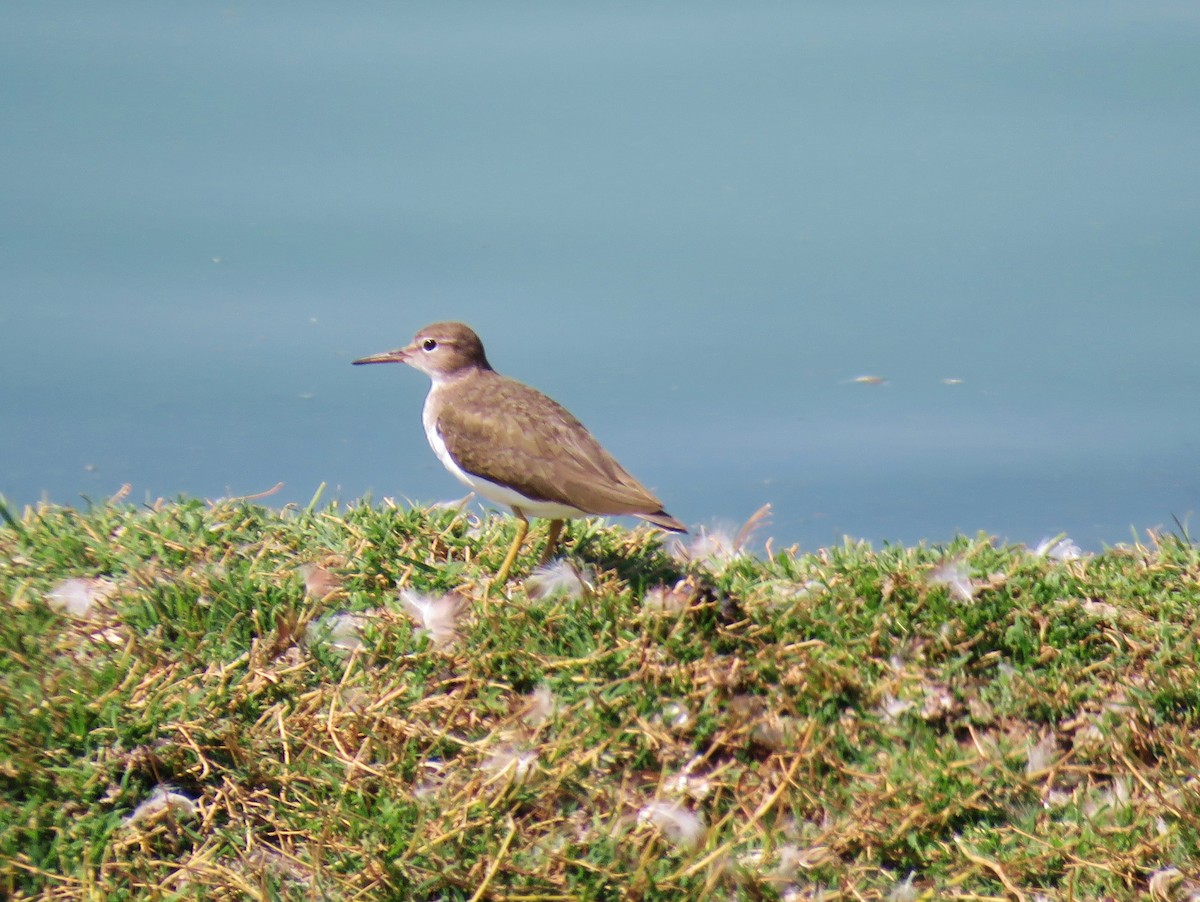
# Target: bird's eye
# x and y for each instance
(429, 344)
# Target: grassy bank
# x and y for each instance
(194, 716)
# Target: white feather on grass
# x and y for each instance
(1107, 803)
(891, 708)
(427, 787)
(676, 716)
(79, 595)
(541, 705)
(718, 547)
(1170, 884)
(163, 800)
(693, 786)
(1058, 548)
(437, 614)
(1041, 755)
(559, 577)
(510, 764)
(453, 504)
(435, 775)
(904, 891)
(668, 599)
(342, 632)
(954, 575)
(678, 823)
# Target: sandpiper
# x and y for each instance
(513, 445)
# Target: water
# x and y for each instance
(694, 224)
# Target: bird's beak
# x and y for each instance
(400, 355)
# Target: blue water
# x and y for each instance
(694, 224)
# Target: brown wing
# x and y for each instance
(512, 434)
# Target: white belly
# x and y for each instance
(493, 491)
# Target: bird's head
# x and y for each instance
(441, 350)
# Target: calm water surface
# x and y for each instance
(695, 224)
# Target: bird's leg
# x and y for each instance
(556, 527)
(522, 528)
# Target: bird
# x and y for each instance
(514, 445)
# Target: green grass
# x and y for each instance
(841, 722)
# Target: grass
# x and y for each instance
(959, 722)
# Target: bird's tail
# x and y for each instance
(663, 520)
